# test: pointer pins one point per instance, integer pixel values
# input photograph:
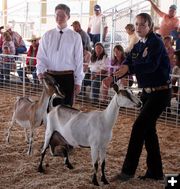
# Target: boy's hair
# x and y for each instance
(63, 7)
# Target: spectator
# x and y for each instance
(116, 62)
(7, 41)
(94, 27)
(84, 36)
(169, 21)
(1, 40)
(18, 41)
(176, 38)
(6, 62)
(61, 54)
(176, 78)
(149, 61)
(99, 69)
(86, 59)
(132, 37)
(168, 42)
(30, 60)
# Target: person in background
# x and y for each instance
(30, 61)
(176, 38)
(169, 21)
(7, 41)
(99, 70)
(168, 43)
(149, 61)
(132, 37)
(60, 53)
(176, 78)
(6, 62)
(94, 26)
(84, 36)
(1, 38)
(116, 62)
(18, 41)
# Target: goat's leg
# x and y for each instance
(103, 177)
(45, 146)
(30, 142)
(94, 156)
(66, 159)
(94, 179)
(26, 136)
(9, 130)
(102, 154)
(40, 168)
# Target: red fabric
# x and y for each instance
(29, 54)
(1, 41)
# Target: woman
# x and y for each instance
(31, 60)
(116, 62)
(98, 69)
(150, 63)
(8, 42)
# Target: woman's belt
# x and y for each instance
(159, 88)
(66, 72)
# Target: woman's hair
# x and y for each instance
(63, 7)
(147, 18)
(94, 55)
(7, 36)
(130, 27)
(119, 48)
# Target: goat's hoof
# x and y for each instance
(29, 153)
(40, 169)
(104, 180)
(70, 166)
(95, 182)
(7, 140)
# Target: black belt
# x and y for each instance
(66, 72)
(159, 88)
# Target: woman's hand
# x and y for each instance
(107, 81)
(122, 71)
(40, 77)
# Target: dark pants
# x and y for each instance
(65, 79)
(5, 72)
(94, 38)
(33, 72)
(144, 132)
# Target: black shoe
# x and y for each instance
(146, 176)
(123, 177)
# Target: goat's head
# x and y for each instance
(125, 98)
(51, 86)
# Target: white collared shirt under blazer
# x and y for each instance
(60, 52)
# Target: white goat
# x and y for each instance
(29, 113)
(88, 129)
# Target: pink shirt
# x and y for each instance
(168, 24)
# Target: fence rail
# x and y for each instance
(13, 84)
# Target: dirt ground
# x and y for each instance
(19, 171)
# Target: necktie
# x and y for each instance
(60, 32)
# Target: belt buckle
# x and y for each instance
(148, 90)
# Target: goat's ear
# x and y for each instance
(116, 88)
